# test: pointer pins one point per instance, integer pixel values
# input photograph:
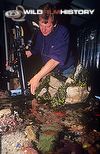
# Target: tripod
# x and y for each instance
(15, 64)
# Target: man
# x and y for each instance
(52, 43)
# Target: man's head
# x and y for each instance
(47, 19)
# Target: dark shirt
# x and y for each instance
(55, 46)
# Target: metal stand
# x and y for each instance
(19, 41)
(6, 45)
(17, 67)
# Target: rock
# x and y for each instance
(52, 91)
(69, 81)
(79, 69)
(28, 150)
(10, 142)
(48, 87)
(54, 85)
(76, 94)
(43, 91)
(5, 112)
(29, 133)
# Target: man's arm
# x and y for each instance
(46, 69)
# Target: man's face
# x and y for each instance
(46, 28)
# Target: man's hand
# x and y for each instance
(34, 83)
(28, 53)
(45, 70)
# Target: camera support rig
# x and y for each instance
(14, 61)
(15, 64)
(19, 49)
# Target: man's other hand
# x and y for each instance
(28, 53)
(34, 83)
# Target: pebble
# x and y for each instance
(11, 143)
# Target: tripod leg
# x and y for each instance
(21, 74)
